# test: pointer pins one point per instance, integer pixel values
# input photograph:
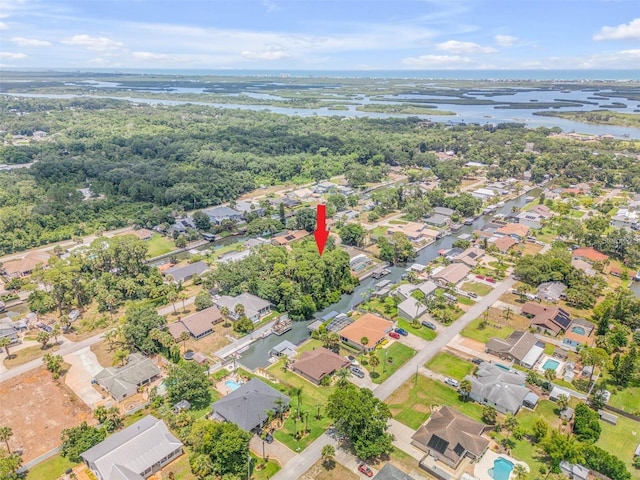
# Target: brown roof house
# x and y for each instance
(550, 320)
(451, 274)
(470, 256)
(521, 347)
(289, 237)
(371, 326)
(450, 436)
(25, 265)
(505, 243)
(198, 325)
(515, 230)
(316, 364)
(589, 254)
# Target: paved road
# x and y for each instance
(301, 463)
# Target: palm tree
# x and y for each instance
(184, 336)
(465, 388)
(562, 401)
(520, 472)
(374, 361)
(532, 377)
(328, 452)
(201, 465)
(182, 296)
(4, 343)
(364, 342)
(238, 310)
(279, 406)
(43, 338)
(5, 434)
(550, 374)
(55, 332)
(510, 423)
(172, 296)
(297, 392)
(342, 375)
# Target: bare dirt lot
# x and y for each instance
(38, 408)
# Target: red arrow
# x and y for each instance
(321, 234)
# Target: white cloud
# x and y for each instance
(98, 44)
(270, 6)
(506, 40)
(268, 54)
(12, 56)
(30, 42)
(3, 26)
(157, 57)
(623, 31)
(441, 61)
(466, 48)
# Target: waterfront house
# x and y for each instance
(316, 364)
(369, 326)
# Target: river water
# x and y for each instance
(258, 353)
(464, 113)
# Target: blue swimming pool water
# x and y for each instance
(232, 384)
(578, 330)
(501, 469)
(552, 364)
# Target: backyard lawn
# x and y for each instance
(411, 403)
(477, 288)
(159, 245)
(419, 331)
(391, 359)
(620, 440)
(51, 469)
(627, 399)
(450, 365)
(496, 326)
(312, 396)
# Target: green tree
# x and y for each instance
(539, 429)
(43, 338)
(138, 323)
(101, 414)
(352, 234)
(9, 465)
(586, 424)
(181, 241)
(465, 388)
(510, 424)
(374, 361)
(343, 376)
(80, 439)
(188, 381)
(281, 214)
(363, 419)
(201, 221)
(328, 455)
(489, 415)
(120, 356)
(562, 401)
(203, 300)
(201, 465)
(594, 357)
(5, 434)
(4, 343)
(520, 472)
(226, 445)
(53, 363)
(364, 341)
(305, 219)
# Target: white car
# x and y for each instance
(452, 382)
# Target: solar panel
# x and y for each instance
(438, 444)
(459, 450)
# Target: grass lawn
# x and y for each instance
(627, 399)
(376, 305)
(159, 245)
(380, 231)
(465, 300)
(18, 357)
(180, 468)
(477, 288)
(51, 469)
(411, 403)
(263, 474)
(472, 331)
(391, 359)
(620, 440)
(529, 453)
(450, 365)
(312, 396)
(419, 331)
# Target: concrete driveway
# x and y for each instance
(275, 449)
(84, 366)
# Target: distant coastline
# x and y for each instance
(482, 75)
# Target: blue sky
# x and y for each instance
(320, 34)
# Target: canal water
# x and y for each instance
(258, 353)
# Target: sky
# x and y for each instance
(320, 34)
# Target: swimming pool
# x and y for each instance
(501, 469)
(232, 385)
(578, 330)
(550, 363)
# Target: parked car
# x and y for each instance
(452, 382)
(44, 328)
(427, 324)
(401, 331)
(394, 335)
(477, 361)
(353, 361)
(490, 280)
(268, 438)
(357, 372)
(362, 468)
(472, 295)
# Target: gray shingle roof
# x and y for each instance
(180, 273)
(247, 405)
(119, 380)
(497, 386)
(133, 450)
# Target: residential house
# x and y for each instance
(405, 290)
(181, 226)
(302, 194)
(411, 308)
(360, 262)
(26, 265)
(551, 291)
(316, 364)
(137, 452)
(520, 347)
(627, 218)
(324, 187)
(449, 436)
(142, 233)
(584, 266)
(7, 331)
(589, 254)
(233, 257)
(369, 326)
(574, 471)
(484, 194)
(531, 219)
(390, 472)
(503, 244)
(217, 215)
(247, 208)
(290, 236)
(186, 272)
(123, 381)
(286, 348)
(437, 220)
(549, 320)
(198, 324)
(504, 390)
(254, 307)
(418, 233)
(579, 333)
(247, 406)
(447, 212)
(470, 256)
(515, 230)
(39, 134)
(451, 275)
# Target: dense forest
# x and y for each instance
(146, 163)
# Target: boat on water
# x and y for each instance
(468, 221)
(381, 272)
(283, 325)
(501, 204)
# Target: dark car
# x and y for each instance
(427, 324)
(268, 438)
(357, 372)
(401, 331)
(366, 470)
(477, 361)
(394, 335)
